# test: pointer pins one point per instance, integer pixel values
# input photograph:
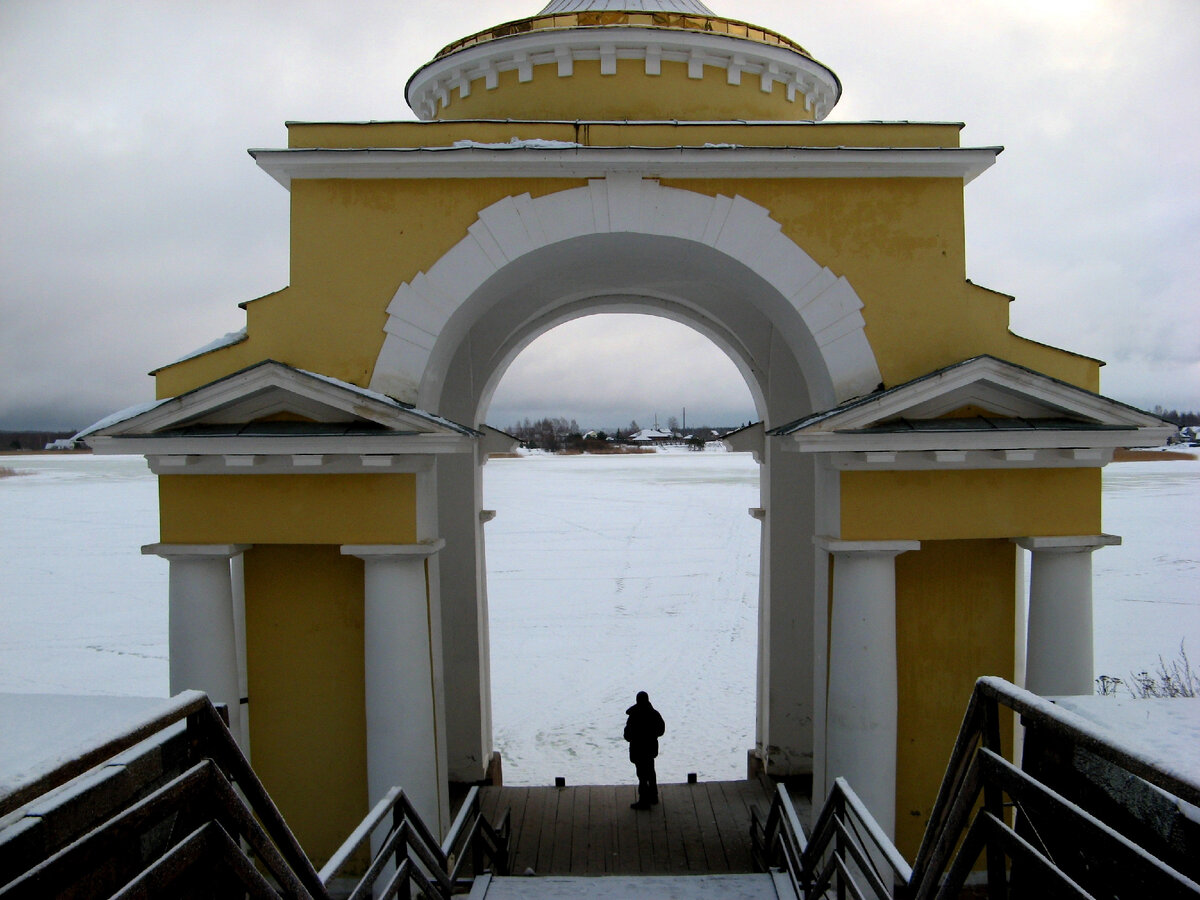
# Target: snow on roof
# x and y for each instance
(128, 412)
(651, 434)
(518, 144)
(227, 340)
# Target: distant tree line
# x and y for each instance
(557, 434)
(1175, 417)
(31, 440)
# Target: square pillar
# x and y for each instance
(202, 635)
(861, 711)
(403, 673)
(1059, 641)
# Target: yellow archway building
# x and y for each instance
(320, 471)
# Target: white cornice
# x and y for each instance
(477, 67)
(718, 161)
(301, 455)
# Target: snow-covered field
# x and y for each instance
(607, 575)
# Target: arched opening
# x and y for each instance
(613, 573)
(723, 267)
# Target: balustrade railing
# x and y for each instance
(1085, 815)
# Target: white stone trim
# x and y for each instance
(195, 551)
(515, 226)
(429, 89)
(912, 461)
(387, 551)
(540, 161)
(1071, 544)
(991, 383)
(272, 454)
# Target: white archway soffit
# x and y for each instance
(825, 305)
(480, 65)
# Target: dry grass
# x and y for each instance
(5, 471)
(1121, 455)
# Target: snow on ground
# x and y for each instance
(614, 574)
(81, 610)
(607, 575)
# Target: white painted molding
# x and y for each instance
(921, 460)
(808, 83)
(261, 390)
(415, 353)
(1003, 388)
(385, 551)
(886, 548)
(1069, 544)
(195, 551)
(267, 451)
(540, 161)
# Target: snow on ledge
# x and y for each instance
(518, 144)
(226, 340)
(41, 732)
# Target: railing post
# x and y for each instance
(993, 802)
(839, 844)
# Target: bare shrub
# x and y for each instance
(1172, 678)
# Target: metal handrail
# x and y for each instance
(412, 847)
(845, 839)
(200, 793)
(1075, 854)
(951, 846)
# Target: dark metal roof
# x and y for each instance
(282, 429)
(981, 423)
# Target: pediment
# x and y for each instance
(273, 398)
(273, 417)
(980, 406)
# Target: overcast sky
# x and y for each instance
(132, 222)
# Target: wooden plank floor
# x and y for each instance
(696, 829)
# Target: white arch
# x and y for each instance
(819, 313)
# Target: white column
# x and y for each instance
(1058, 650)
(860, 725)
(404, 690)
(202, 637)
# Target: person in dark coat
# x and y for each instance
(643, 728)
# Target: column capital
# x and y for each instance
(878, 548)
(371, 552)
(1068, 543)
(195, 551)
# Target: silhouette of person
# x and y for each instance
(643, 728)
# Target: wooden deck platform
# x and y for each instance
(696, 829)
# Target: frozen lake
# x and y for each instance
(607, 575)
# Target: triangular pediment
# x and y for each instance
(979, 406)
(273, 398)
(982, 387)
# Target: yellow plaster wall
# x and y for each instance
(629, 93)
(955, 621)
(288, 509)
(900, 243)
(969, 504)
(353, 244)
(304, 645)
